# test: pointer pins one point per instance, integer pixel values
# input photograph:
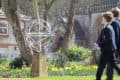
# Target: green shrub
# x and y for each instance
(72, 54)
(60, 60)
(75, 53)
(3, 61)
(16, 63)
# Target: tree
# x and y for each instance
(70, 25)
(10, 7)
(48, 4)
(39, 65)
(0, 3)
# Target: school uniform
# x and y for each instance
(118, 46)
(107, 51)
(116, 27)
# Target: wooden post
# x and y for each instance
(43, 65)
(39, 65)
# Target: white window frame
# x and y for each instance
(4, 27)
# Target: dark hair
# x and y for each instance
(115, 11)
(108, 16)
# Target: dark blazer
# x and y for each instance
(118, 43)
(105, 39)
(116, 28)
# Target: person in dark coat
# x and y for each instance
(106, 45)
(116, 13)
(57, 41)
(116, 27)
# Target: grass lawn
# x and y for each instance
(61, 78)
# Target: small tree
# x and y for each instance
(39, 66)
(70, 25)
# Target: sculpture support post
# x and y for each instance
(39, 66)
(43, 65)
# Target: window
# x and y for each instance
(3, 27)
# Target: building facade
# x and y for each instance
(8, 46)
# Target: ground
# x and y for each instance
(62, 78)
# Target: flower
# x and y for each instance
(54, 69)
(4, 68)
(81, 67)
(68, 68)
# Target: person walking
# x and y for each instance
(115, 24)
(116, 13)
(106, 45)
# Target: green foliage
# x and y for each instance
(16, 63)
(73, 72)
(75, 53)
(72, 54)
(60, 60)
(15, 73)
(3, 61)
(61, 78)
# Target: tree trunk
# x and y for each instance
(35, 65)
(39, 65)
(48, 5)
(0, 3)
(70, 25)
(10, 10)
